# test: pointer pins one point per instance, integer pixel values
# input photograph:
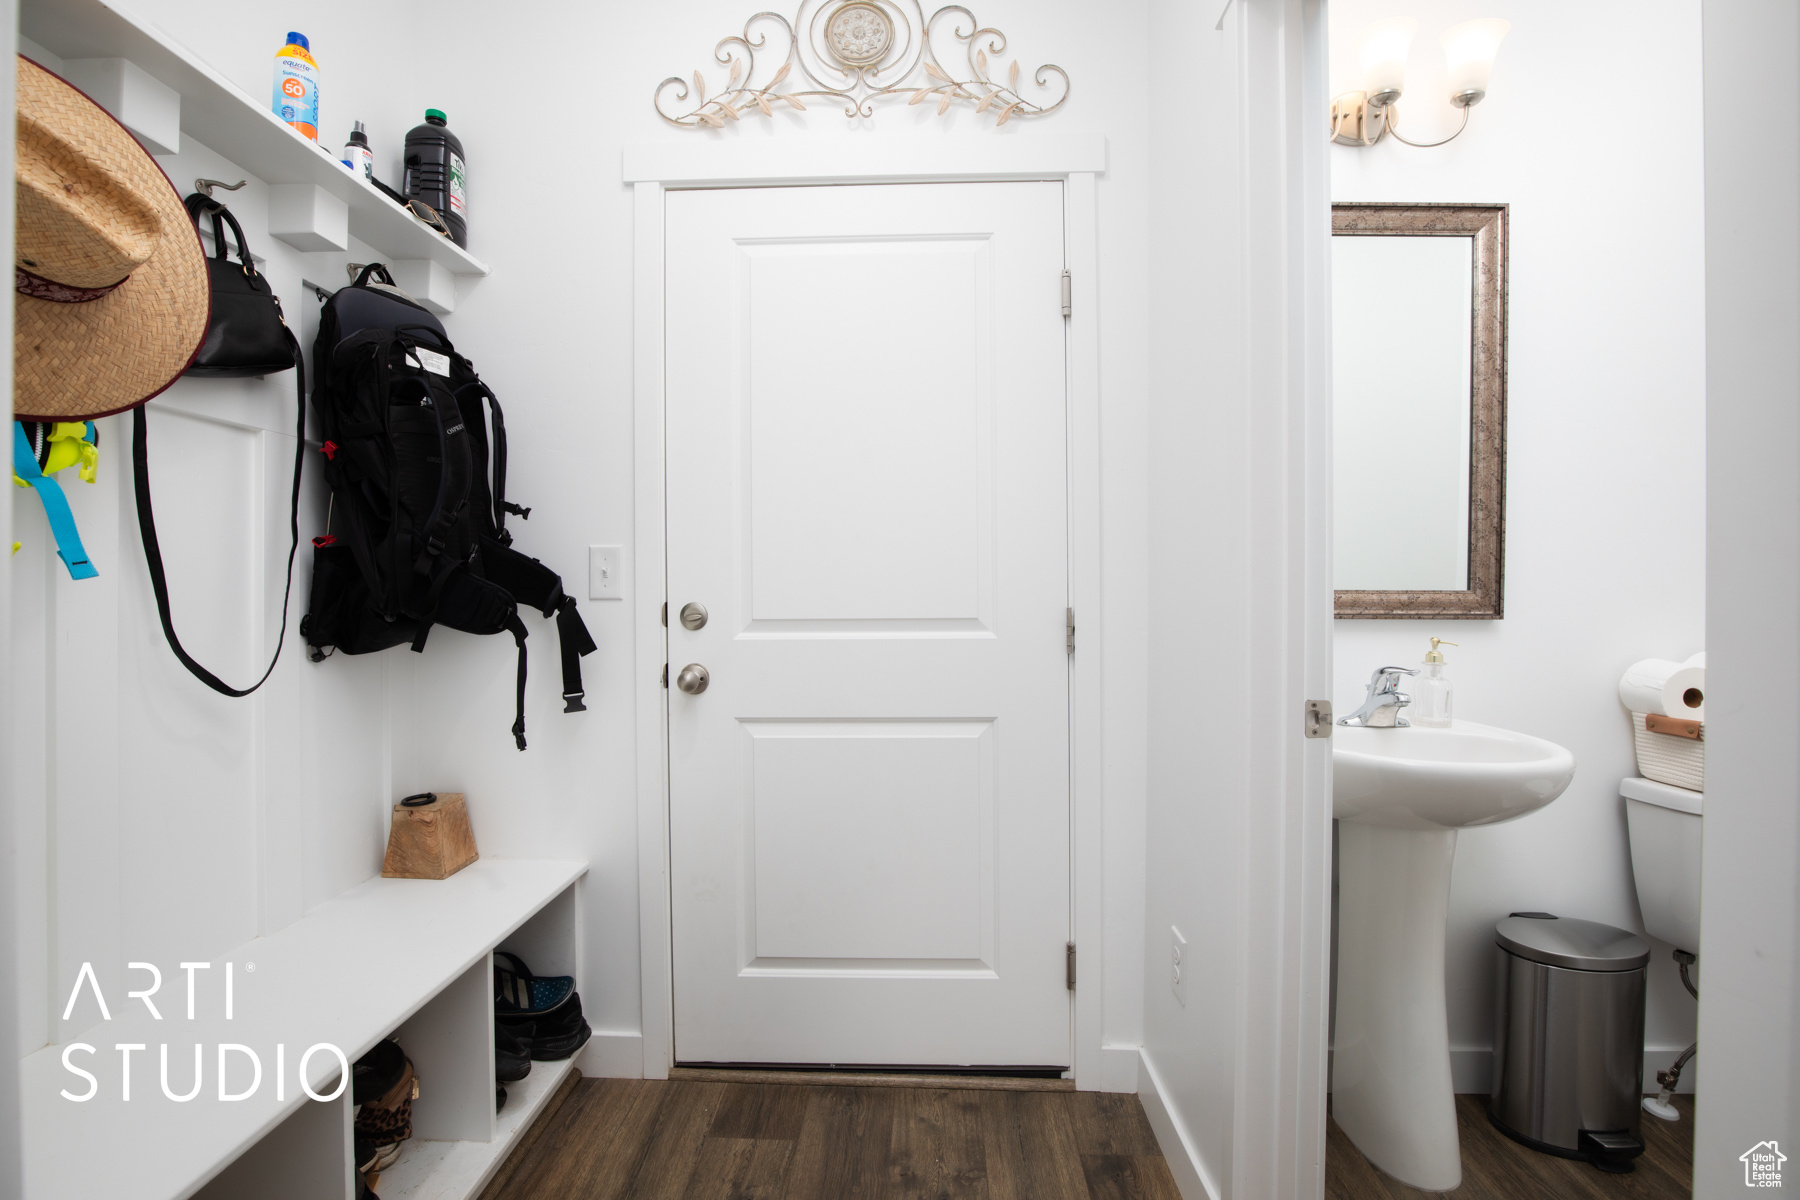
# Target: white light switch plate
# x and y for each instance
(604, 582)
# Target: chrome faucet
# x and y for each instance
(1381, 708)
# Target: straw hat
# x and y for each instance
(113, 295)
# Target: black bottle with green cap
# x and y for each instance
(437, 174)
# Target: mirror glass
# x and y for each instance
(1418, 378)
(1400, 410)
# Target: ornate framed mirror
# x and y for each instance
(1419, 410)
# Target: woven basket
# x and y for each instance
(1668, 759)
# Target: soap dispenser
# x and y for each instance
(1431, 690)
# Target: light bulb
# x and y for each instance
(1469, 51)
(1384, 47)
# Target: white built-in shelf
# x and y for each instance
(216, 113)
(430, 1170)
(407, 957)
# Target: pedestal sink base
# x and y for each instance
(1391, 1090)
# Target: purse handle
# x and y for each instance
(199, 206)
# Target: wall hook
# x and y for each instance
(205, 186)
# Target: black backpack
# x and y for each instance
(415, 536)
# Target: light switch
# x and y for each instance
(604, 582)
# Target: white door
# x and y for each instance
(867, 464)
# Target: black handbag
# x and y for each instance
(246, 335)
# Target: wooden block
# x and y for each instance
(431, 841)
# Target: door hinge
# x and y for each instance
(665, 618)
(665, 676)
(1071, 966)
(1318, 718)
(1069, 632)
(1068, 293)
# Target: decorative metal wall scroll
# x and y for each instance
(860, 51)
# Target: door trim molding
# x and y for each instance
(652, 171)
(815, 160)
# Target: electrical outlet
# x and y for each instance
(1177, 947)
(603, 573)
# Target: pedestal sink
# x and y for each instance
(1400, 795)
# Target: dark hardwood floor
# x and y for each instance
(631, 1139)
(1497, 1168)
(613, 1139)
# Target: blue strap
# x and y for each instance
(56, 507)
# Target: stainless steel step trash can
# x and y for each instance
(1569, 1038)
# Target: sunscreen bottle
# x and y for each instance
(297, 86)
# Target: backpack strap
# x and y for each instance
(532, 583)
(516, 627)
(140, 463)
(573, 637)
(56, 506)
(497, 450)
(430, 567)
(362, 278)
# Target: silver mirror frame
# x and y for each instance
(1486, 225)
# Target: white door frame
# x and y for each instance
(653, 170)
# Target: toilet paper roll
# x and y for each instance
(1699, 660)
(1672, 689)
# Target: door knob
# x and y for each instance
(693, 679)
(693, 615)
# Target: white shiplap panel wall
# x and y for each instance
(157, 821)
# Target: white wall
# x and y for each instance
(1606, 439)
(1239, 466)
(1197, 466)
(544, 104)
(156, 820)
(1750, 871)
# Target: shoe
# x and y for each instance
(519, 993)
(549, 1005)
(376, 1072)
(512, 1050)
(499, 1097)
(558, 1035)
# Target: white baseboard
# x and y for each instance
(1192, 1178)
(613, 1055)
(1472, 1068)
(1118, 1070)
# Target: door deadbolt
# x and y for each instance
(693, 615)
(693, 679)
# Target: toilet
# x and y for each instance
(1664, 825)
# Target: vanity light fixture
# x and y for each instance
(1364, 118)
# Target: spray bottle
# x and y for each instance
(356, 153)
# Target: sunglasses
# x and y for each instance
(429, 215)
(418, 208)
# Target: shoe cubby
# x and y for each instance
(458, 1139)
(305, 1157)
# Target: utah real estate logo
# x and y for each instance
(1762, 1165)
